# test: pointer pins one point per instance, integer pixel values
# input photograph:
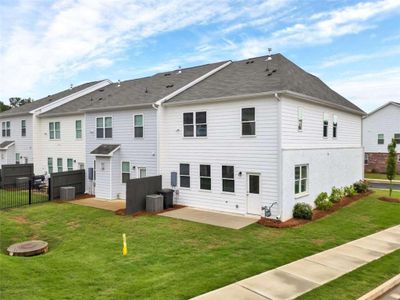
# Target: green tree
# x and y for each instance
(18, 101)
(3, 106)
(391, 163)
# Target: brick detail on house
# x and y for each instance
(377, 163)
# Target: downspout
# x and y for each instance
(158, 121)
(279, 149)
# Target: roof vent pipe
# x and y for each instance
(180, 70)
(71, 86)
(119, 83)
(268, 59)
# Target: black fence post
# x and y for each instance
(30, 191)
(49, 188)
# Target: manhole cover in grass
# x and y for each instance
(28, 248)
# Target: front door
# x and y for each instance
(253, 194)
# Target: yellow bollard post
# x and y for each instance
(124, 247)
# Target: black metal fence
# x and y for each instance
(24, 192)
(138, 189)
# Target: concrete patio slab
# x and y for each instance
(395, 229)
(358, 252)
(337, 260)
(312, 271)
(211, 218)
(112, 205)
(231, 292)
(376, 245)
(277, 284)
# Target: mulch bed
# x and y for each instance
(121, 212)
(84, 196)
(390, 199)
(317, 214)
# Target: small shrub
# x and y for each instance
(302, 211)
(349, 191)
(336, 195)
(322, 202)
(360, 186)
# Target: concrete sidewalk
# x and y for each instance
(294, 279)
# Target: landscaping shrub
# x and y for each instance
(349, 191)
(322, 202)
(360, 186)
(302, 211)
(336, 195)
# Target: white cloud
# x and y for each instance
(370, 90)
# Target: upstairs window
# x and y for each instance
(104, 127)
(249, 121)
(6, 128)
(205, 177)
(397, 138)
(189, 124)
(78, 129)
(300, 179)
(300, 119)
(325, 125)
(335, 124)
(70, 164)
(381, 138)
(228, 179)
(138, 126)
(23, 127)
(54, 131)
(184, 172)
(50, 165)
(59, 164)
(126, 171)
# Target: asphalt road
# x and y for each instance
(382, 185)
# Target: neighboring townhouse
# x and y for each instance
(260, 132)
(379, 128)
(21, 139)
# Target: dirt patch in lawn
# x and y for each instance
(21, 220)
(390, 199)
(121, 212)
(317, 214)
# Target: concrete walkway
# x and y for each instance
(112, 205)
(211, 218)
(294, 279)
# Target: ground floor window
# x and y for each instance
(300, 179)
(142, 172)
(17, 158)
(70, 164)
(59, 164)
(50, 165)
(366, 159)
(126, 171)
(228, 179)
(184, 172)
(205, 177)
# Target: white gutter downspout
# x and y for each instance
(279, 148)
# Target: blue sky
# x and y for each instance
(354, 46)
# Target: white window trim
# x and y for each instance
(104, 128)
(377, 141)
(134, 126)
(50, 159)
(366, 159)
(138, 169)
(55, 136)
(306, 192)
(241, 122)
(62, 164)
(200, 177)
(300, 117)
(179, 174)
(333, 126)
(194, 124)
(323, 125)
(70, 159)
(231, 179)
(122, 170)
(76, 130)
(394, 136)
(5, 123)
(23, 136)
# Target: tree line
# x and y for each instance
(14, 102)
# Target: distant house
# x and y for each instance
(379, 128)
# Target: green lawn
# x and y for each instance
(19, 198)
(167, 258)
(376, 176)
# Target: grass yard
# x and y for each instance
(16, 198)
(377, 176)
(167, 258)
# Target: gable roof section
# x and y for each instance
(249, 76)
(28, 107)
(136, 92)
(383, 106)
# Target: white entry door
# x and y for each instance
(253, 194)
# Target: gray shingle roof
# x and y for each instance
(6, 144)
(250, 77)
(26, 108)
(105, 149)
(145, 90)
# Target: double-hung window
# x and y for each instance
(138, 125)
(205, 177)
(248, 121)
(78, 129)
(300, 179)
(126, 171)
(17, 158)
(366, 159)
(104, 127)
(54, 130)
(184, 173)
(50, 165)
(397, 138)
(335, 126)
(325, 125)
(23, 127)
(59, 164)
(381, 138)
(6, 128)
(300, 119)
(189, 124)
(70, 164)
(228, 179)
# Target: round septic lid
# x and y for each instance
(28, 248)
